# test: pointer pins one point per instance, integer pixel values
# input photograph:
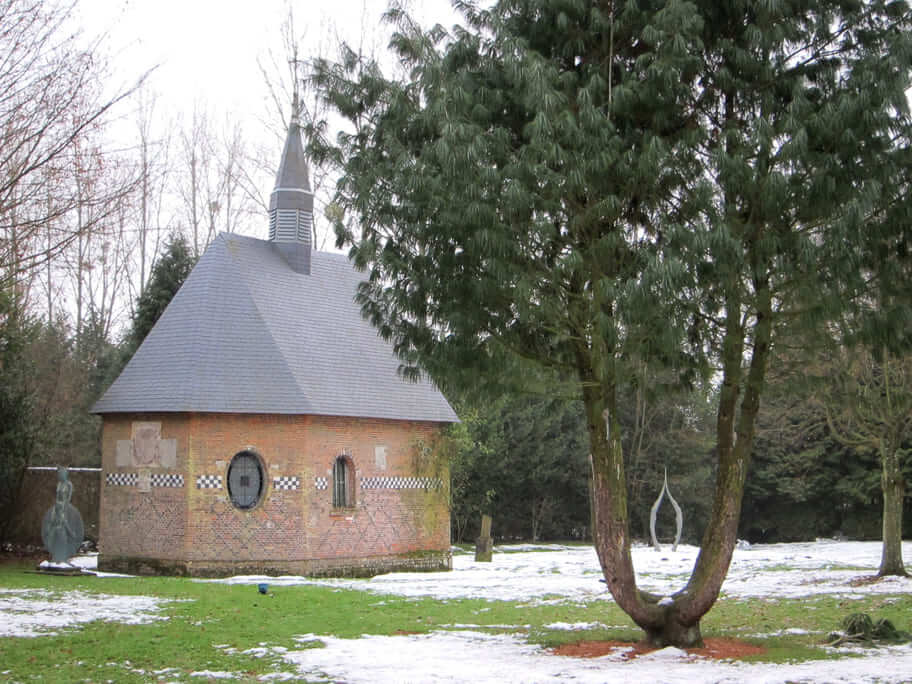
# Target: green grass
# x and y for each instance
(205, 618)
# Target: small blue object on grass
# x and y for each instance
(263, 588)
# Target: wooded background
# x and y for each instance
(96, 237)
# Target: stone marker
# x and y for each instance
(484, 545)
(62, 530)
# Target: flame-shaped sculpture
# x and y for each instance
(679, 516)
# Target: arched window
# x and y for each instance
(343, 483)
(246, 480)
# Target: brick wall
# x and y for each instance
(166, 508)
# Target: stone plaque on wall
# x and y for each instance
(167, 453)
(147, 449)
(124, 453)
(146, 437)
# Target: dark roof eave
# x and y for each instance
(282, 412)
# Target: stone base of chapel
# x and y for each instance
(416, 561)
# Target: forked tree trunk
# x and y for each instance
(675, 620)
(894, 487)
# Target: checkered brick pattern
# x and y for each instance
(286, 482)
(166, 480)
(122, 479)
(401, 483)
(321, 483)
(208, 482)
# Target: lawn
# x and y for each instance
(482, 622)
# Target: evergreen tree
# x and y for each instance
(802, 483)
(524, 460)
(168, 274)
(17, 434)
(807, 120)
(667, 430)
(868, 407)
(591, 188)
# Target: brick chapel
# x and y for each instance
(262, 426)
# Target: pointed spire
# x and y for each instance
(291, 202)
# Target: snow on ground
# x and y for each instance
(573, 573)
(525, 573)
(35, 612)
(445, 657)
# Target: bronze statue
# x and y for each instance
(62, 530)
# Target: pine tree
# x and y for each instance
(807, 120)
(591, 187)
(17, 431)
(168, 274)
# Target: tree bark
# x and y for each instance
(675, 620)
(894, 487)
(661, 623)
(734, 457)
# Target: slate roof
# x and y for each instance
(247, 334)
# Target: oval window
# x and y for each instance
(245, 480)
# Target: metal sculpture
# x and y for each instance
(679, 516)
(62, 530)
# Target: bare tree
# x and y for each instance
(153, 170)
(193, 161)
(50, 98)
(233, 202)
(212, 178)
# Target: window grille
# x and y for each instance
(342, 484)
(245, 480)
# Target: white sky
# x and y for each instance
(208, 49)
(467, 653)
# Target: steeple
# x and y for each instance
(291, 202)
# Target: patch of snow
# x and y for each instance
(513, 548)
(782, 632)
(619, 654)
(210, 674)
(459, 625)
(50, 565)
(89, 562)
(669, 653)
(307, 638)
(575, 626)
(36, 612)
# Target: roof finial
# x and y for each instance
(295, 95)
